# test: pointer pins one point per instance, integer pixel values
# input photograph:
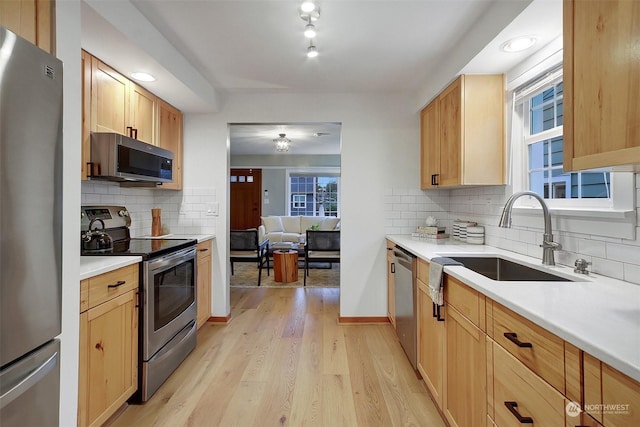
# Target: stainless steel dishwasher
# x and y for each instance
(406, 301)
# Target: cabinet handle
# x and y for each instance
(135, 133)
(434, 309)
(203, 250)
(434, 179)
(393, 267)
(513, 337)
(440, 319)
(117, 284)
(512, 407)
(130, 131)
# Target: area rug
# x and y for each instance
(246, 276)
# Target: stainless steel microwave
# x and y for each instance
(116, 157)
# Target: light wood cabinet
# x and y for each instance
(170, 138)
(108, 359)
(464, 124)
(203, 282)
(33, 20)
(611, 398)
(465, 396)
(431, 350)
(113, 103)
(601, 84)
(391, 287)
(521, 396)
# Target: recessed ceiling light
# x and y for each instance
(143, 77)
(519, 44)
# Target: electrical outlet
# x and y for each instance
(212, 209)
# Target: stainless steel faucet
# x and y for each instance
(548, 245)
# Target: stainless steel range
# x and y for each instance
(167, 284)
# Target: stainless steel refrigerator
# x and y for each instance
(30, 233)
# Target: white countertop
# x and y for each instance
(199, 237)
(93, 265)
(597, 314)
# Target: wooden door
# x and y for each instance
(465, 397)
(169, 137)
(109, 99)
(245, 204)
(429, 146)
(451, 119)
(142, 114)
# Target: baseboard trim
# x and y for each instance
(343, 320)
(220, 319)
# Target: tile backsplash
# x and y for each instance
(405, 209)
(183, 212)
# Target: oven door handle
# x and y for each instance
(173, 259)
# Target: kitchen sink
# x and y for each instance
(501, 269)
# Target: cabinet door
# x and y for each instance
(622, 395)
(109, 99)
(451, 119)
(429, 146)
(109, 353)
(391, 285)
(601, 83)
(30, 19)
(86, 114)
(142, 108)
(170, 138)
(430, 344)
(465, 397)
(204, 282)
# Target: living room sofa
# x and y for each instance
(293, 228)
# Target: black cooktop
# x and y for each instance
(146, 248)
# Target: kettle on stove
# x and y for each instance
(96, 240)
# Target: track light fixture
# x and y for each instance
(310, 12)
(312, 51)
(310, 30)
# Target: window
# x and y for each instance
(313, 194)
(543, 118)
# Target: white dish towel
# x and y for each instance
(436, 282)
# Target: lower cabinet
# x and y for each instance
(203, 291)
(431, 332)
(391, 288)
(108, 365)
(465, 399)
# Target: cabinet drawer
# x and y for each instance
(112, 284)
(518, 388)
(538, 349)
(204, 249)
(469, 302)
(423, 271)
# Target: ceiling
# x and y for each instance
(205, 51)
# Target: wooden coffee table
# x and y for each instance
(285, 265)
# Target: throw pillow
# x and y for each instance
(272, 223)
(329, 223)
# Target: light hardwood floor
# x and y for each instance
(284, 360)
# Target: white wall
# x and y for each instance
(68, 50)
(380, 149)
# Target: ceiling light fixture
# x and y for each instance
(308, 6)
(519, 44)
(282, 142)
(310, 30)
(143, 77)
(312, 51)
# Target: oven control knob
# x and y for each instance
(123, 213)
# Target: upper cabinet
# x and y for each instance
(601, 84)
(462, 134)
(33, 20)
(113, 103)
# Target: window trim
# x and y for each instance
(616, 218)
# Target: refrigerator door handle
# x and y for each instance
(29, 381)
